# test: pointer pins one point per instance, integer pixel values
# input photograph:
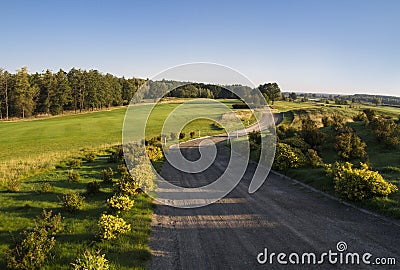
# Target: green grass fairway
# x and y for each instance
(33, 145)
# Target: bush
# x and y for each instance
(120, 202)
(75, 163)
(91, 260)
(117, 155)
(240, 106)
(297, 142)
(350, 146)
(126, 186)
(46, 188)
(51, 223)
(182, 135)
(287, 157)
(327, 121)
(107, 175)
(143, 176)
(112, 226)
(32, 251)
(72, 201)
(370, 114)
(361, 117)
(191, 134)
(90, 156)
(338, 122)
(356, 184)
(312, 134)
(154, 153)
(13, 184)
(314, 159)
(73, 176)
(92, 187)
(284, 132)
(173, 136)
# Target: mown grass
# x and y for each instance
(17, 212)
(29, 147)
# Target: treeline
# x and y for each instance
(23, 94)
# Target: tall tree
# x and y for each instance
(62, 93)
(24, 93)
(271, 90)
(4, 88)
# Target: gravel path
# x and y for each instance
(281, 216)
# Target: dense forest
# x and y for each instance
(23, 94)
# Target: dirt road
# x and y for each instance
(281, 216)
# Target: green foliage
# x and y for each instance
(327, 121)
(53, 224)
(75, 163)
(46, 187)
(154, 153)
(112, 226)
(91, 260)
(370, 114)
(287, 157)
(92, 187)
(117, 155)
(312, 134)
(126, 186)
(337, 122)
(90, 156)
(143, 176)
(72, 201)
(314, 159)
(350, 146)
(120, 202)
(13, 184)
(73, 176)
(191, 134)
(284, 132)
(182, 135)
(386, 131)
(107, 175)
(356, 184)
(361, 117)
(254, 140)
(32, 251)
(297, 142)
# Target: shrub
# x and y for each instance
(117, 155)
(73, 176)
(370, 114)
(312, 134)
(173, 136)
(356, 184)
(46, 187)
(75, 163)
(361, 117)
(327, 121)
(283, 132)
(107, 175)
(154, 153)
(72, 201)
(92, 187)
(350, 146)
(314, 159)
(120, 202)
(297, 142)
(126, 187)
(338, 122)
(112, 226)
(191, 134)
(32, 251)
(287, 157)
(51, 223)
(91, 260)
(13, 184)
(90, 156)
(143, 176)
(182, 135)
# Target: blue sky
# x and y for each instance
(314, 46)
